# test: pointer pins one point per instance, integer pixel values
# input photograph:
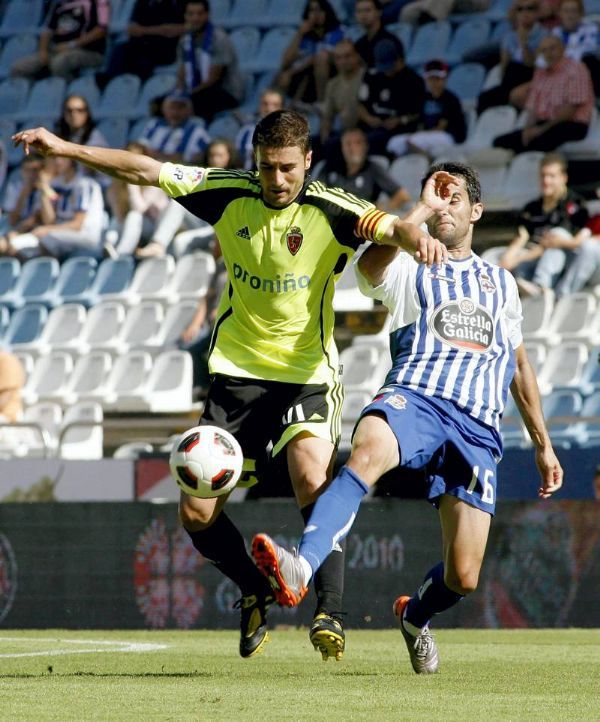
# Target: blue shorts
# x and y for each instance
(459, 454)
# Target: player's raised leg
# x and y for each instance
(465, 531)
(216, 537)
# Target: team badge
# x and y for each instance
(485, 282)
(294, 240)
(397, 401)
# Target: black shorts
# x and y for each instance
(265, 415)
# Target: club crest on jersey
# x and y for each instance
(396, 401)
(463, 324)
(485, 283)
(294, 239)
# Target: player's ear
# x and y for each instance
(308, 160)
(476, 212)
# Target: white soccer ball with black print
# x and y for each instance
(206, 461)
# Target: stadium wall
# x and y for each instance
(130, 565)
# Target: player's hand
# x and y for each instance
(550, 470)
(437, 192)
(40, 140)
(430, 251)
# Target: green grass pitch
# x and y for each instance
(122, 675)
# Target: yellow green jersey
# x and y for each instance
(275, 319)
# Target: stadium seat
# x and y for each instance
(244, 13)
(37, 277)
(151, 280)
(468, 35)
(169, 387)
(49, 378)
(45, 95)
(537, 311)
(536, 353)
(498, 10)
(430, 41)
(219, 11)
(347, 296)
(81, 432)
(563, 367)
(4, 321)
(512, 429)
(491, 123)
(102, 327)
(225, 126)
(86, 87)
(25, 325)
(521, 183)
(21, 17)
(466, 80)
(157, 86)
(284, 13)
(113, 276)
(408, 170)
(572, 319)
(354, 402)
(492, 178)
(589, 148)
(127, 381)
(120, 97)
(245, 41)
(27, 361)
(115, 130)
(46, 416)
(270, 52)
(88, 380)
(589, 425)
(132, 450)
(177, 318)
(120, 14)
(142, 326)
(10, 270)
(61, 331)
(75, 278)
(13, 96)
(404, 33)
(191, 277)
(562, 410)
(364, 368)
(590, 377)
(16, 47)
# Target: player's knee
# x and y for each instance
(196, 518)
(462, 581)
(367, 461)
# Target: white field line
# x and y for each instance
(101, 646)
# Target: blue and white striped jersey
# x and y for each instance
(189, 139)
(453, 332)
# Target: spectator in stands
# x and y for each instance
(426, 11)
(197, 335)
(207, 64)
(340, 105)
(135, 211)
(3, 166)
(390, 10)
(442, 122)
(517, 56)
(391, 97)
(28, 201)
(176, 137)
(73, 38)
(77, 124)
(270, 101)
(596, 483)
(359, 174)
(550, 228)
(222, 153)
(12, 380)
(581, 37)
(78, 208)
(306, 62)
(559, 103)
(153, 31)
(368, 16)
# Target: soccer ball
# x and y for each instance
(206, 461)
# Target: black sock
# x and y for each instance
(223, 545)
(329, 579)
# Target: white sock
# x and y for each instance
(307, 569)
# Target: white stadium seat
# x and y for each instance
(563, 367)
(88, 380)
(81, 433)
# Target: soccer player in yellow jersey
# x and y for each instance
(274, 365)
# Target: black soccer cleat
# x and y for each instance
(327, 636)
(253, 622)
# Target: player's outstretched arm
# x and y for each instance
(130, 167)
(527, 397)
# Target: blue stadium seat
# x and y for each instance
(13, 96)
(246, 12)
(403, 31)
(590, 419)
(430, 41)
(466, 80)
(120, 13)
(37, 277)
(16, 47)
(500, 29)
(114, 275)
(590, 378)
(10, 269)
(136, 128)
(21, 16)
(156, 86)
(557, 406)
(498, 10)
(4, 321)
(224, 126)
(514, 434)
(219, 11)
(284, 13)
(120, 97)
(246, 42)
(86, 87)
(270, 52)
(75, 277)
(468, 35)
(45, 100)
(26, 324)
(592, 7)
(115, 130)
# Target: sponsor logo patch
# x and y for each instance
(464, 325)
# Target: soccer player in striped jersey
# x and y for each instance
(285, 240)
(456, 345)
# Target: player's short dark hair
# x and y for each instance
(555, 159)
(462, 170)
(376, 3)
(282, 129)
(204, 3)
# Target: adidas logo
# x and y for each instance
(244, 233)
